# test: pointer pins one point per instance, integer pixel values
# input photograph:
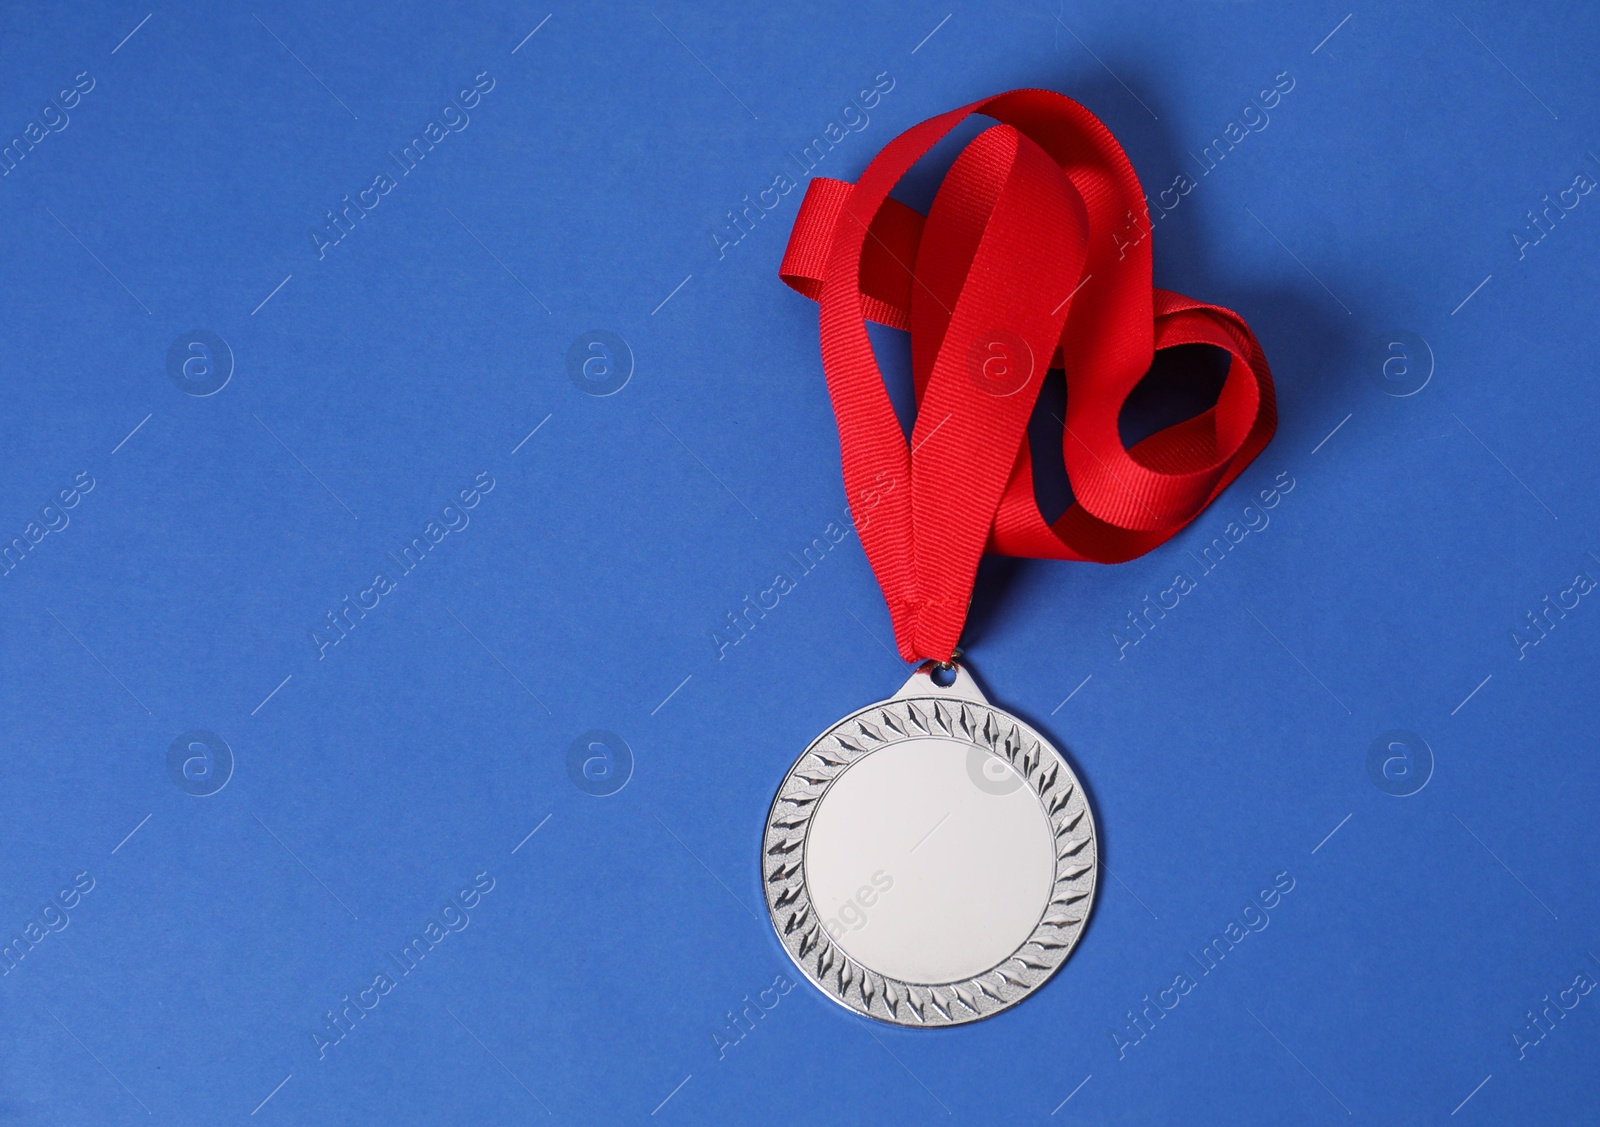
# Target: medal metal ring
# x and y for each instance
(930, 859)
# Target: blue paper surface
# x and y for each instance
(301, 295)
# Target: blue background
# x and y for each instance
(378, 380)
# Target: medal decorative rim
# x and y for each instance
(923, 711)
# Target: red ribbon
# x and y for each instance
(1029, 258)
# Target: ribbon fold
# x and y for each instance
(1018, 267)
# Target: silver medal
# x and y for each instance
(930, 859)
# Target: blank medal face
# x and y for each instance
(929, 860)
(963, 866)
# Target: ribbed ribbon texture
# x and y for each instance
(1031, 257)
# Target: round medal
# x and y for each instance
(930, 859)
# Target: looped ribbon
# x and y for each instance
(1018, 266)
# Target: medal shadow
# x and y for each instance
(1309, 337)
